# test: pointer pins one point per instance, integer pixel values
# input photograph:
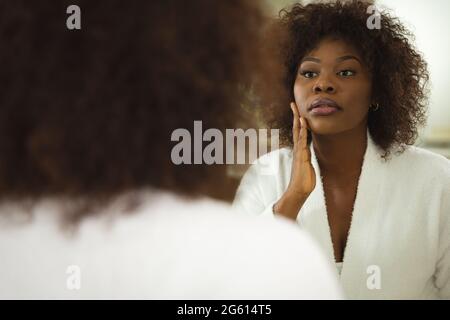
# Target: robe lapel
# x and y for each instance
(360, 240)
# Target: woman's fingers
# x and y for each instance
(300, 133)
(303, 133)
(296, 124)
(304, 140)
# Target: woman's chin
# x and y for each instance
(325, 128)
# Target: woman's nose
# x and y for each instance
(324, 86)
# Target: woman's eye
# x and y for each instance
(308, 74)
(346, 73)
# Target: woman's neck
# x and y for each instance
(341, 155)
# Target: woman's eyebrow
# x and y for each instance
(310, 59)
(340, 59)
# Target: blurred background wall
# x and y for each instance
(429, 21)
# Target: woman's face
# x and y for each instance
(333, 71)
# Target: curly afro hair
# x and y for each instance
(399, 73)
(88, 114)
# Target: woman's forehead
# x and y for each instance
(333, 48)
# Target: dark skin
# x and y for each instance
(332, 70)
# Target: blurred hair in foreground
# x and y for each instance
(88, 113)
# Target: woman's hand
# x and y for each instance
(303, 176)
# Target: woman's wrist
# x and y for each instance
(290, 204)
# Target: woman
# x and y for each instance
(350, 176)
(92, 205)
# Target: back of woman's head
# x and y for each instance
(90, 112)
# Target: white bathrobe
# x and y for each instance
(169, 248)
(398, 245)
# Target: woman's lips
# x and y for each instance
(323, 107)
(323, 110)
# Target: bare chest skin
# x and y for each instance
(339, 198)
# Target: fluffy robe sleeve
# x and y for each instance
(442, 275)
(263, 182)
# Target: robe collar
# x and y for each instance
(313, 217)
